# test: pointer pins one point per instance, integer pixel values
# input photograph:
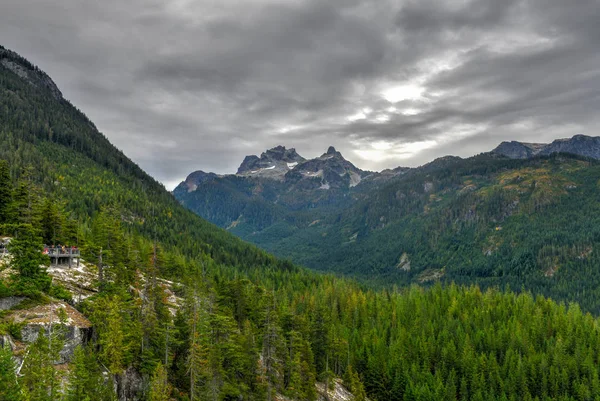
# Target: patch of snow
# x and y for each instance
(325, 185)
(292, 165)
(269, 168)
(309, 174)
(354, 179)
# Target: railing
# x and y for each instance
(62, 252)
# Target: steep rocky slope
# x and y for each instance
(581, 145)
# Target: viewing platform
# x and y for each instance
(63, 255)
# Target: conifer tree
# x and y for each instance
(38, 375)
(5, 192)
(10, 389)
(160, 389)
(29, 261)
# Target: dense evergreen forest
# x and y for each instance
(249, 326)
(489, 220)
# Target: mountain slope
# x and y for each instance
(581, 145)
(296, 193)
(528, 222)
(246, 326)
(77, 164)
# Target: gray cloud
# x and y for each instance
(198, 84)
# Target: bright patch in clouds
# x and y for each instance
(399, 93)
(410, 112)
(360, 115)
(381, 151)
(382, 118)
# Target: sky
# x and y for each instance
(183, 85)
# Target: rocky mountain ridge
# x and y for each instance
(581, 145)
(28, 72)
(332, 170)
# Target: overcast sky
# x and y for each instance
(182, 85)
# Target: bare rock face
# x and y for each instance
(58, 315)
(338, 393)
(9, 302)
(330, 170)
(274, 163)
(581, 145)
(129, 385)
(517, 150)
(28, 72)
(193, 180)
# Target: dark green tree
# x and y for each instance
(6, 189)
(29, 261)
(10, 389)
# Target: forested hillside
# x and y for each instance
(245, 325)
(529, 223)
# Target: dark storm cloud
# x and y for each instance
(198, 84)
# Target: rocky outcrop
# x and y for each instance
(581, 145)
(58, 315)
(338, 393)
(10, 302)
(274, 163)
(194, 180)
(328, 171)
(518, 150)
(28, 72)
(129, 385)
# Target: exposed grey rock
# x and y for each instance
(274, 163)
(72, 336)
(76, 329)
(330, 170)
(193, 180)
(129, 385)
(518, 150)
(338, 393)
(28, 72)
(404, 262)
(581, 145)
(9, 302)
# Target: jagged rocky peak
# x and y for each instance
(28, 72)
(282, 154)
(581, 145)
(274, 163)
(332, 152)
(330, 170)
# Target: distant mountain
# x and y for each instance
(279, 185)
(251, 327)
(581, 145)
(479, 219)
(329, 170)
(274, 163)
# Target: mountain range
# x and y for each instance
(462, 220)
(173, 307)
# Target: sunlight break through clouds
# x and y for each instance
(398, 93)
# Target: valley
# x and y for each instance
(165, 305)
(494, 219)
